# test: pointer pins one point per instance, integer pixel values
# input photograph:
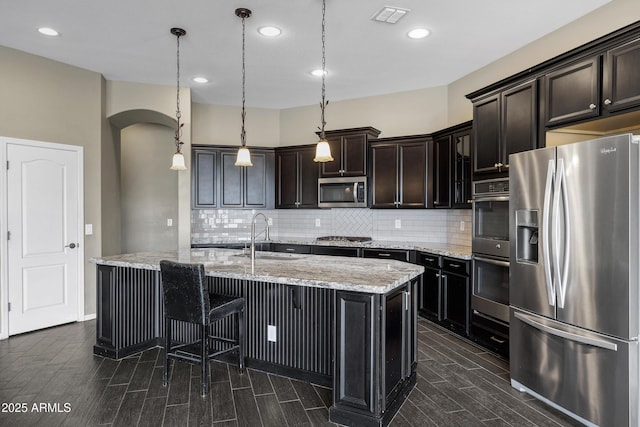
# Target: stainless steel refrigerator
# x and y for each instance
(574, 271)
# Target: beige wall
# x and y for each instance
(221, 125)
(614, 15)
(403, 113)
(49, 101)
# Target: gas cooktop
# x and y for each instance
(343, 239)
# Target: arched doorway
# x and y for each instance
(145, 190)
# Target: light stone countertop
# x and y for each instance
(344, 273)
(453, 251)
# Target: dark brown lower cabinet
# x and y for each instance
(373, 377)
(445, 294)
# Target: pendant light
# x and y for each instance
(323, 150)
(244, 157)
(178, 159)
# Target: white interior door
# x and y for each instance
(43, 246)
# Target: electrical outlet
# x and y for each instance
(461, 225)
(271, 333)
(317, 222)
(398, 223)
(270, 221)
(169, 222)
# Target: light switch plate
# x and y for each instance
(169, 222)
(317, 222)
(88, 229)
(398, 223)
(461, 225)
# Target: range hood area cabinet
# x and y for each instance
(296, 177)
(349, 150)
(504, 122)
(218, 183)
(398, 173)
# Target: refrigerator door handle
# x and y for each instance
(562, 282)
(594, 342)
(546, 226)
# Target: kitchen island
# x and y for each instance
(347, 323)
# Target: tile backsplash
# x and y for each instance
(419, 225)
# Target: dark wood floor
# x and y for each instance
(54, 378)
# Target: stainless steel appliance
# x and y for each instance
(574, 259)
(342, 192)
(490, 246)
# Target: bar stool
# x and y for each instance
(187, 299)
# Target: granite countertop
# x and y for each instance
(344, 273)
(454, 251)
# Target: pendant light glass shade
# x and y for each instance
(243, 158)
(177, 164)
(323, 152)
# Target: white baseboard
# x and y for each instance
(89, 317)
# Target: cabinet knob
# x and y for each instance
(607, 101)
(592, 106)
(495, 165)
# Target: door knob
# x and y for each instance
(70, 245)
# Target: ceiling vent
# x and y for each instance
(390, 14)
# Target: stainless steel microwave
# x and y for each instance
(343, 192)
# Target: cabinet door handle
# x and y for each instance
(384, 254)
(290, 250)
(454, 265)
(607, 101)
(592, 106)
(494, 339)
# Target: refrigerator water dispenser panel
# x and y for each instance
(527, 236)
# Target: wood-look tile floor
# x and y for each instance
(53, 377)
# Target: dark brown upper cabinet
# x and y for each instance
(621, 84)
(579, 90)
(572, 93)
(595, 87)
(399, 172)
(504, 123)
(218, 183)
(451, 170)
(462, 148)
(349, 150)
(204, 188)
(296, 177)
(442, 162)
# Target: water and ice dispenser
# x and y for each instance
(527, 236)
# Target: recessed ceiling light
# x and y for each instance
(48, 31)
(201, 80)
(418, 33)
(269, 31)
(318, 73)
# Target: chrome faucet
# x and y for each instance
(253, 237)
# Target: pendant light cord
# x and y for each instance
(178, 113)
(323, 103)
(243, 134)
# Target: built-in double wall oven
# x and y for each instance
(490, 246)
